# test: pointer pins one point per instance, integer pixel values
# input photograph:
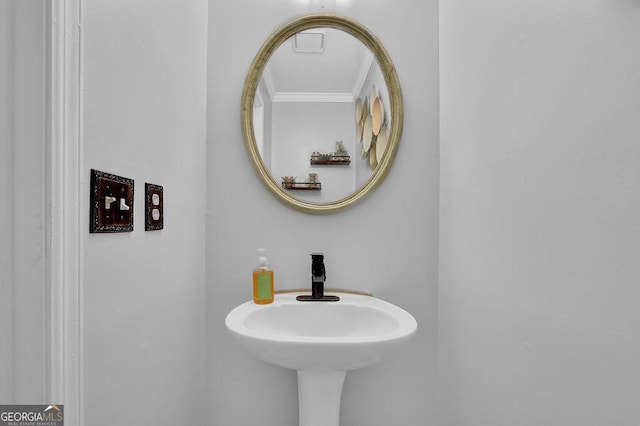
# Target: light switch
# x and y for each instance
(154, 206)
(111, 205)
(108, 201)
(123, 205)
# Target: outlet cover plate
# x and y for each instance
(111, 204)
(154, 207)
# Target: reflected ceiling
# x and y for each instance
(335, 70)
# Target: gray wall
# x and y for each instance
(388, 244)
(540, 231)
(23, 227)
(142, 109)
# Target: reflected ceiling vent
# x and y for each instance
(310, 41)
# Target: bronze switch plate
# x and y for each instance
(111, 206)
(154, 207)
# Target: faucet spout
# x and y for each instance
(318, 277)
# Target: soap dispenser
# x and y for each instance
(262, 280)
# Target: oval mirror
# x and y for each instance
(322, 113)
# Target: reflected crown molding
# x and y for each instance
(313, 97)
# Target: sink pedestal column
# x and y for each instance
(319, 393)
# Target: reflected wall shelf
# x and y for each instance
(306, 186)
(330, 160)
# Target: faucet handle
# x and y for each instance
(317, 266)
(318, 276)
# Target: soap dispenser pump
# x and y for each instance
(262, 280)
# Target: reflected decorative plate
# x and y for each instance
(367, 133)
(365, 108)
(373, 162)
(381, 143)
(358, 110)
(378, 116)
(372, 97)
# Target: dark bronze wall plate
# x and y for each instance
(111, 204)
(154, 207)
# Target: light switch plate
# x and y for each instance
(111, 204)
(154, 207)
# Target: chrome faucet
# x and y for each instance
(318, 277)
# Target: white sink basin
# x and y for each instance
(355, 332)
(321, 340)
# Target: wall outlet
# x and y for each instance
(154, 207)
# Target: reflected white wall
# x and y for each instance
(299, 129)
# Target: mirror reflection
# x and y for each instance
(321, 115)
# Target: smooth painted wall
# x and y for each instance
(540, 231)
(23, 201)
(143, 106)
(387, 244)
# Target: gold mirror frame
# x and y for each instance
(395, 97)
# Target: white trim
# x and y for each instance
(363, 72)
(258, 102)
(267, 78)
(7, 328)
(65, 166)
(312, 97)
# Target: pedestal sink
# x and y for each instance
(322, 341)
